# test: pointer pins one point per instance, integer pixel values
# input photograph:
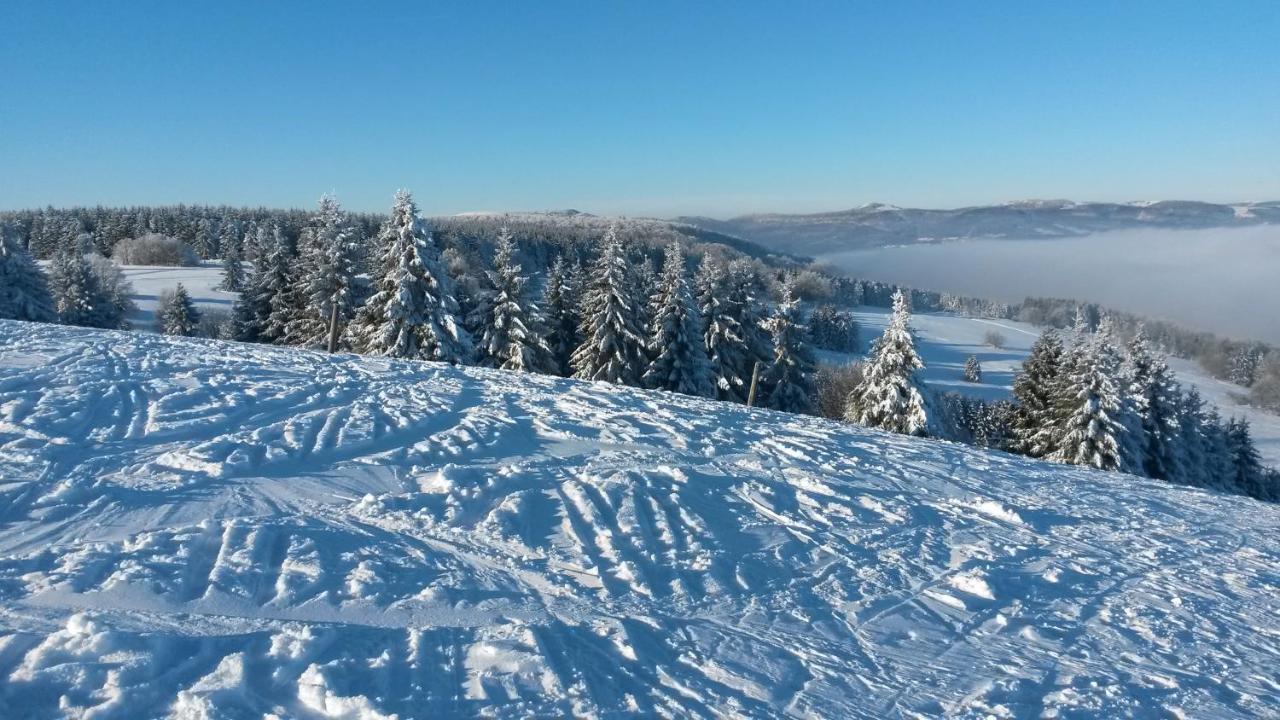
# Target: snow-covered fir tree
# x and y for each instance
(613, 345)
(1192, 439)
(1245, 460)
(733, 325)
(113, 302)
(972, 369)
(74, 291)
(563, 324)
(261, 309)
(24, 289)
(889, 396)
(1219, 465)
(177, 315)
(1151, 410)
(413, 312)
(1088, 407)
(509, 323)
(1035, 389)
(327, 271)
(789, 379)
(233, 278)
(676, 342)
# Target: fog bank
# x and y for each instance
(1226, 281)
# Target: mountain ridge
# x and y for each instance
(879, 225)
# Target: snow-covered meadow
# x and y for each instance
(194, 528)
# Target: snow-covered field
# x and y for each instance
(204, 529)
(149, 281)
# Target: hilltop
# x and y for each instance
(211, 529)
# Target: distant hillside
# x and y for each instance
(878, 225)
(576, 227)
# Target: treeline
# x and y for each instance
(628, 309)
(1083, 402)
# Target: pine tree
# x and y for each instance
(327, 273)
(1152, 403)
(24, 289)
(1090, 433)
(613, 348)
(1219, 465)
(177, 315)
(1035, 389)
(889, 395)
(1193, 439)
(74, 291)
(232, 270)
(1245, 462)
(562, 320)
(972, 369)
(509, 322)
(413, 312)
(676, 343)
(113, 301)
(789, 379)
(264, 291)
(733, 319)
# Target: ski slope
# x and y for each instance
(199, 529)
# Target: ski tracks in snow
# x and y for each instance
(195, 528)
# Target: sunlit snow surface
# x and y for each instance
(204, 529)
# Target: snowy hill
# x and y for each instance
(205, 529)
(878, 225)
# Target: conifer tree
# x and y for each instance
(1151, 407)
(1035, 389)
(613, 347)
(413, 312)
(265, 291)
(1219, 465)
(972, 369)
(113, 301)
(510, 323)
(177, 315)
(24, 289)
(788, 380)
(1245, 461)
(1090, 433)
(73, 287)
(327, 273)
(676, 342)
(232, 270)
(889, 395)
(1193, 439)
(562, 320)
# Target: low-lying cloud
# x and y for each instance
(1224, 280)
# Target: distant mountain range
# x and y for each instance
(878, 225)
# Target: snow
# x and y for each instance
(150, 281)
(944, 341)
(192, 528)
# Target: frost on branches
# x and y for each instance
(889, 395)
(413, 312)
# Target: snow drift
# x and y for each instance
(201, 529)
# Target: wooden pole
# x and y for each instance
(755, 379)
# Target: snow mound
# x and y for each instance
(199, 529)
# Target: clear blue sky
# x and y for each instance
(643, 108)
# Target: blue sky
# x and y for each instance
(644, 108)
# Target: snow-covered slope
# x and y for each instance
(205, 529)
